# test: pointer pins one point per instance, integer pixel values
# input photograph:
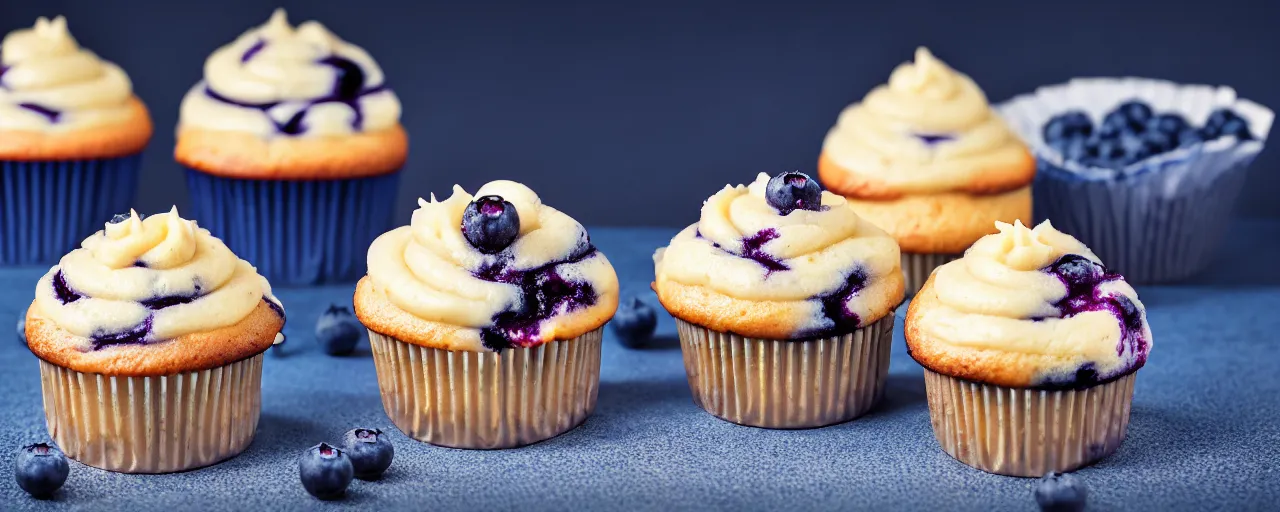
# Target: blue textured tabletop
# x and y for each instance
(1205, 431)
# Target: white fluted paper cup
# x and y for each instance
(787, 384)
(1157, 220)
(488, 400)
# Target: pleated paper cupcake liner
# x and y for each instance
(488, 400)
(48, 207)
(786, 384)
(158, 424)
(297, 232)
(1027, 432)
(1157, 220)
(916, 268)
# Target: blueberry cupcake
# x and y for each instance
(1146, 172)
(783, 298)
(1030, 347)
(71, 139)
(926, 158)
(485, 316)
(150, 338)
(293, 144)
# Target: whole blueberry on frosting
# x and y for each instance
(151, 297)
(490, 223)
(486, 272)
(61, 101)
(749, 268)
(1029, 308)
(791, 191)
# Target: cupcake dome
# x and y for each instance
(1029, 308)
(429, 285)
(291, 103)
(71, 131)
(293, 142)
(927, 159)
(486, 316)
(746, 268)
(151, 336)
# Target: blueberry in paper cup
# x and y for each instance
(1144, 171)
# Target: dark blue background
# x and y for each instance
(632, 113)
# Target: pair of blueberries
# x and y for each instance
(1133, 132)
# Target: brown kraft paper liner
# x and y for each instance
(1027, 432)
(161, 424)
(488, 400)
(787, 384)
(916, 268)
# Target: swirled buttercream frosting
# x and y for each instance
(780, 270)
(279, 81)
(147, 281)
(49, 83)
(498, 269)
(1043, 297)
(930, 129)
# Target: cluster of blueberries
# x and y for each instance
(1133, 132)
(326, 471)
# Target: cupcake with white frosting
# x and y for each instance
(71, 139)
(150, 338)
(1030, 347)
(300, 119)
(784, 301)
(485, 316)
(927, 159)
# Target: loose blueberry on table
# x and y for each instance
(791, 191)
(1060, 492)
(634, 323)
(338, 331)
(41, 469)
(22, 327)
(325, 472)
(490, 224)
(1132, 132)
(370, 452)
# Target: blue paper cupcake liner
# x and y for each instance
(1157, 220)
(297, 232)
(48, 207)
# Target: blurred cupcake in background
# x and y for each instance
(1145, 172)
(150, 338)
(925, 158)
(293, 144)
(71, 139)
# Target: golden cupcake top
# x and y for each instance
(780, 259)
(930, 129)
(1029, 307)
(61, 101)
(276, 80)
(491, 271)
(143, 283)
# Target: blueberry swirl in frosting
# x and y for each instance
(276, 80)
(147, 281)
(780, 259)
(49, 83)
(491, 271)
(1029, 308)
(930, 129)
